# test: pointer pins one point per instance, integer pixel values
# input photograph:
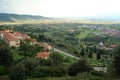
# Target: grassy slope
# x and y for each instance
(84, 34)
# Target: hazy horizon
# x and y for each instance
(63, 8)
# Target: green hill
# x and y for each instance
(5, 17)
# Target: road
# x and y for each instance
(104, 69)
(65, 53)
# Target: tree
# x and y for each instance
(28, 50)
(82, 53)
(116, 62)
(5, 56)
(46, 71)
(90, 55)
(79, 66)
(29, 64)
(3, 71)
(23, 69)
(24, 48)
(57, 58)
(99, 54)
(18, 72)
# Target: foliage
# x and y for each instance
(82, 53)
(90, 55)
(18, 72)
(5, 56)
(116, 62)
(57, 58)
(69, 37)
(46, 71)
(99, 54)
(29, 64)
(78, 67)
(28, 50)
(3, 71)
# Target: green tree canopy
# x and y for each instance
(116, 62)
(79, 66)
(56, 57)
(5, 56)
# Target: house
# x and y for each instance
(109, 31)
(44, 55)
(113, 45)
(33, 41)
(21, 36)
(46, 46)
(12, 39)
(9, 39)
(24, 37)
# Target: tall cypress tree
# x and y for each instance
(90, 55)
(82, 53)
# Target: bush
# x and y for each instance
(5, 56)
(45, 71)
(29, 64)
(18, 72)
(57, 58)
(3, 71)
(116, 62)
(41, 72)
(79, 66)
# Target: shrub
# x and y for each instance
(79, 66)
(97, 73)
(45, 71)
(18, 72)
(3, 71)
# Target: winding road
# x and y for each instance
(65, 53)
(104, 69)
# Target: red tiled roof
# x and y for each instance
(17, 34)
(8, 36)
(24, 36)
(45, 45)
(42, 54)
(113, 45)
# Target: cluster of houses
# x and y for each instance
(109, 31)
(12, 39)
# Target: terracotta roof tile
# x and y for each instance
(113, 45)
(42, 54)
(45, 45)
(8, 36)
(24, 36)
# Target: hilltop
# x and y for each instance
(5, 17)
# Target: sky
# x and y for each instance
(62, 8)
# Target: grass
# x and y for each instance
(95, 63)
(84, 34)
(68, 60)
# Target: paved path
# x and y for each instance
(67, 54)
(104, 69)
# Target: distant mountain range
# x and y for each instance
(17, 18)
(5, 17)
